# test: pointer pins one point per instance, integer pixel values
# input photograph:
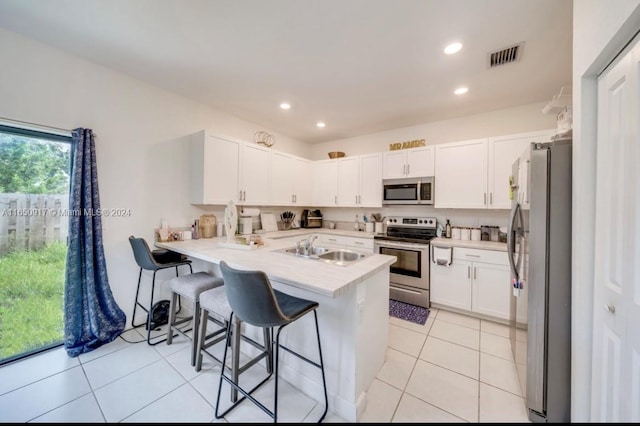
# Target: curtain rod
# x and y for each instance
(34, 126)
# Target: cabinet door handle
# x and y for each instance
(244, 195)
(408, 169)
(335, 199)
(472, 255)
(469, 272)
(491, 198)
(474, 272)
(485, 198)
(240, 196)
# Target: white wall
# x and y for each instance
(140, 133)
(526, 118)
(600, 30)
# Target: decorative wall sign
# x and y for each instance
(407, 144)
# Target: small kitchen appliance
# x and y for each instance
(407, 238)
(311, 219)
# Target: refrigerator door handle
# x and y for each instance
(516, 212)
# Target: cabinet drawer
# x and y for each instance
(359, 243)
(338, 240)
(475, 255)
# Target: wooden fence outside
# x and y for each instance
(31, 221)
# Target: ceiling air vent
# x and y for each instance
(505, 56)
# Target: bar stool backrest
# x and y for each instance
(142, 254)
(252, 297)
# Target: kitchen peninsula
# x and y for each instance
(353, 314)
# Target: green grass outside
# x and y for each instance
(31, 299)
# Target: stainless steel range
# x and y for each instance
(407, 238)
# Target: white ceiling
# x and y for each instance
(362, 66)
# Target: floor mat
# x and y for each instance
(408, 312)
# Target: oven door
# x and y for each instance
(412, 265)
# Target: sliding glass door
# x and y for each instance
(34, 197)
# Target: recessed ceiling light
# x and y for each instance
(453, 48)
(320, 124)
(461, 90)
(285, 105)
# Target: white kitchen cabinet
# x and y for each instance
(360, 181)
(503, 152)
(342, 241)
(477, 281)
(349, 181)
(290, 180)
(255, 166)
(214, 164)
(325, 183)
(461, 174)
(414, 162)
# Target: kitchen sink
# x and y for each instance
(335, 256)
(342, 256)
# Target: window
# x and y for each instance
(34, 196)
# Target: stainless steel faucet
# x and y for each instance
(303, 247)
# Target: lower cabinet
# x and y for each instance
(477, 281)
(351, 243)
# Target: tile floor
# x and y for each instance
(452, 369)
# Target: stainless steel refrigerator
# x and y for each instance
(539, 245)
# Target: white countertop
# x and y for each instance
(483, 245)
(308, 274)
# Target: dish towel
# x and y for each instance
(442, 255)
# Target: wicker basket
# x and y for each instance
(336, 154)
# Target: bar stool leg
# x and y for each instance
(172, 317)
(235, 360)
(194, 332)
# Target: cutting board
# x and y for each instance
(269, 223)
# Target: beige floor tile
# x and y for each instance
(452, 356)
(459, 319)
(494, 328)
(420, 328)
(500, 373)
(404, 340)
(497, 406)
(449, 391)
(455, 333)
(414, 410)
(397, 368)
(496, 345)
(382, 400)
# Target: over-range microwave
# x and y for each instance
(408, 191)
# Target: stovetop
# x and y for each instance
(409, 229)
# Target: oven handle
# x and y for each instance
(406, 246)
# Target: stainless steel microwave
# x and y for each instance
(408, 191)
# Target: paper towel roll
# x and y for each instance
(249, 212)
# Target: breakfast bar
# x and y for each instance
(353, 313)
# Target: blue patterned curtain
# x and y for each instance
(91, 315)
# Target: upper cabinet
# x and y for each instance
(360, 181)
(461, 174)
(503, 152)
(255, 166)
(290, 180)
(214, 169)
(414, 162)
(475, 174)
(325, 183)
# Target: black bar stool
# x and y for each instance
(152, 261)
(256, 302)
